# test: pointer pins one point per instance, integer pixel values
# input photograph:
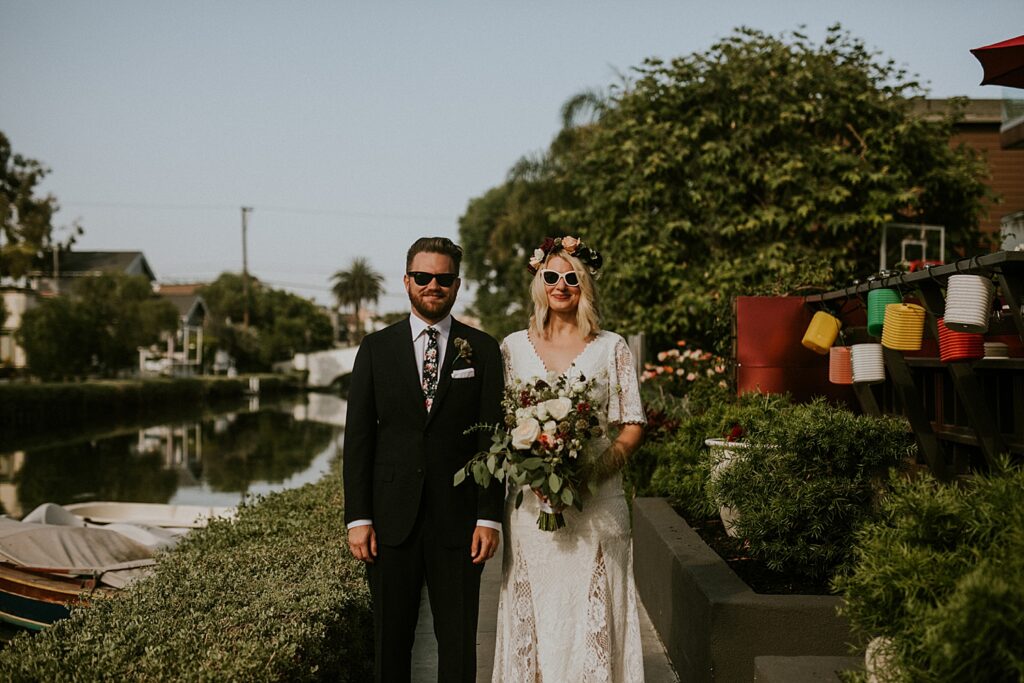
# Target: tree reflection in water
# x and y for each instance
(108, 469)
(264, 446)
(226, 454)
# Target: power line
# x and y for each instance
(270, 209)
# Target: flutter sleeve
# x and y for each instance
(624, 405)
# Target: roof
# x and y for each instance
(181, 289)
(78, 263)
(186, 304)
(976, 112)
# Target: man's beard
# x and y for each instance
(432, 308)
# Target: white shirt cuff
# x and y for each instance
(360, 522)
(490, 524)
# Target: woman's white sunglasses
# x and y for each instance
(551, 277)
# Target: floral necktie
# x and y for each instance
(430, 367)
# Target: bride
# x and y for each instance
(567, 609)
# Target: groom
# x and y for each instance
(416, 387)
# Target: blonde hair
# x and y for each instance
(588, 315)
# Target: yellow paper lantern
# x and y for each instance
(821, 333)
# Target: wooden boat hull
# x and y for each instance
(35, 601)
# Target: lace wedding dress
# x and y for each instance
(567, 609)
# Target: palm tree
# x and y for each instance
(354, 286)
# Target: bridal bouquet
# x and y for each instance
(547, 426)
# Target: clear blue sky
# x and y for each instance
(354, 127)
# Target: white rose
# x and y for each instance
(549, 427)
(525, 433)
(579, 387)
(541, 411)
(558, 408)
(523, 414)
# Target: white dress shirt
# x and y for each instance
(419, 342)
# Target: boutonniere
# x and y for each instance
(465, 350)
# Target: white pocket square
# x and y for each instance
(464, 373)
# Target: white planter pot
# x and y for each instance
(879, 663)
(723, 455)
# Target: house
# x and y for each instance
(58, 275)
(996, 129)
(15, 300)
(55, 276)
(184, 351)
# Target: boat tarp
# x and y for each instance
(112, 558)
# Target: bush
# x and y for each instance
(674, 463)
(940, 574)
(270, 597)
(807, 481)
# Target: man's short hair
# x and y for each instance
(435, 245)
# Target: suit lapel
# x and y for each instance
(406, 360)
(444, 380)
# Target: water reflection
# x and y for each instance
(215, 460)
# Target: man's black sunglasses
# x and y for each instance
(423, 279)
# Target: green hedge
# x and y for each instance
(673, 461)
(810, 477)
(272, 596)
(941, 575)
(29, 406)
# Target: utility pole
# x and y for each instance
(245, 267)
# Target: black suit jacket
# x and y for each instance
(397, 457)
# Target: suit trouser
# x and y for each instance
(453, 588)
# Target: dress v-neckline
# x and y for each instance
(536, 354)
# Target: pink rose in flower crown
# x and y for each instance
(570, 243)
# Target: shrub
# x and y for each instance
(269, 597)
(807, 481)
(675, 464)
(940, 574)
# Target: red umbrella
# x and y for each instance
(1003, 62)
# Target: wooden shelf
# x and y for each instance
(971, 382)
(982, 364)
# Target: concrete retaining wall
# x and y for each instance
(711, 622)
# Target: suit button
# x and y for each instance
(419, 470)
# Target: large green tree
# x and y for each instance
(360, 283)
(281, 324)
(763, 165)
(97, 329)
(501, 228)
(26, 218)
(766, 164)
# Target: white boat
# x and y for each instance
(149, 514)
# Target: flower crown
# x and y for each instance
(572, 246)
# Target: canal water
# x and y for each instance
(216, 458)
(212, 458)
